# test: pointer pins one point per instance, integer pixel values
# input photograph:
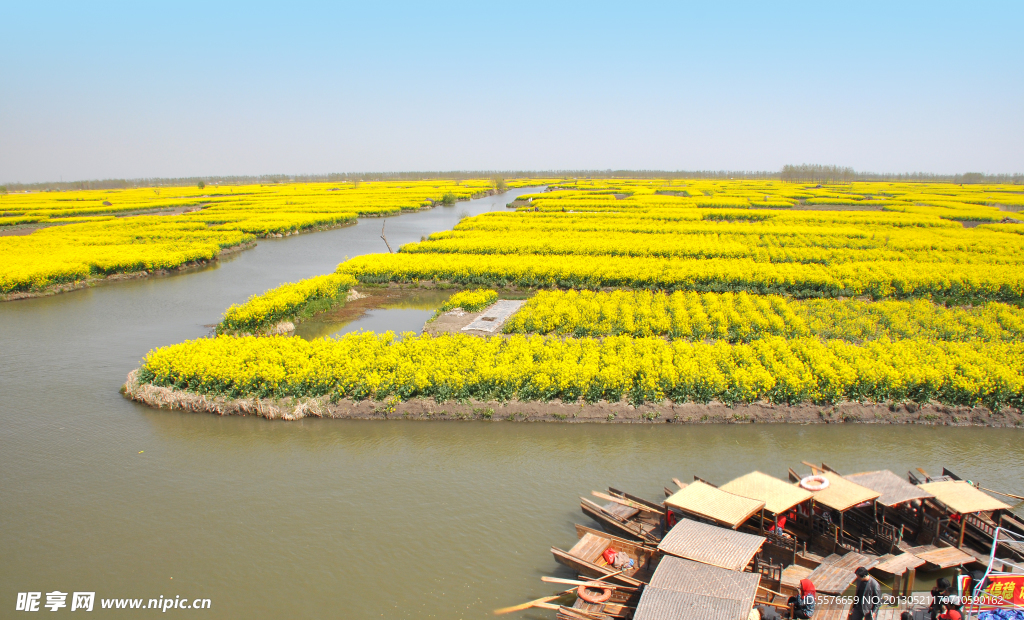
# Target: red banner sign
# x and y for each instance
(999, 591)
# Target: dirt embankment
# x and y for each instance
(133, 275)
(555, 411)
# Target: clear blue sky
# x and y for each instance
(97, 90)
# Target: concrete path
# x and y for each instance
(491, 319)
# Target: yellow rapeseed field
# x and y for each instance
(368, 365)
(734, 291)
(80, 237)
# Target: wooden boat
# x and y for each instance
(626, 516)
(649, 511)
(972, 526)
(585, 557)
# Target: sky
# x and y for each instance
(129, 90)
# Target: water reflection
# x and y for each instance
(381, 310)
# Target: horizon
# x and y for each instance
(193, 91)
(807, 176)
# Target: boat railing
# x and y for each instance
(888, 533)
(858, 521)
(930, 526)
(948, 534)
(972, 520)
(788, 543)
(767, 569)
(824, 528)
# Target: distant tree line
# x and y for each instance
(826, 175)
(804, 173)
(816, 173)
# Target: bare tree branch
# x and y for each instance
(390, 251)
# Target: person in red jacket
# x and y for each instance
(950, 614)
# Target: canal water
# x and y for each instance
(333, 518)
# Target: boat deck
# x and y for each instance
(791, 576)
(942, 557)
(836, 572)
(899, 564)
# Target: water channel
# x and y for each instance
(331, 518)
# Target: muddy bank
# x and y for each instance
(555, 411)
(56, 289)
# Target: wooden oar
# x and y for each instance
(544, 600)
(814, 468)
(596, 584)
(534, 603)
(1000, 493)
(923, 473)
(772, 591)
(679, 483)
(625, 502)
(775, 605)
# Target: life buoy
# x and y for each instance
(814, 483)
(584, 592)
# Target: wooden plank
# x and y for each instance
(623, 512)
(899, 564)
(831, 579)
(623, 502)
(946, 557)
(852, 560)
(589, 547)
(791, 576)
(832, 611)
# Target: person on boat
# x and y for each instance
(940, 597)
(780, 524)
(950, 614)
(868, 598)
(803, 605)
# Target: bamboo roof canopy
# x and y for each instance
(946, 557)
(897, 565)
(711, 544)
(961, 496)
(892, 488)
(704, 500)
(691, 577)
(660, 604)
(778, 496)
(841, 494)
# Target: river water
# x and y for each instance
(333, 518)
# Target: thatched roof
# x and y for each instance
(708, 502)
(961, 497)
(680, 575)
(660, 604)
(778, 496)
(841, 494)
(711, 544)
(893, 489)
